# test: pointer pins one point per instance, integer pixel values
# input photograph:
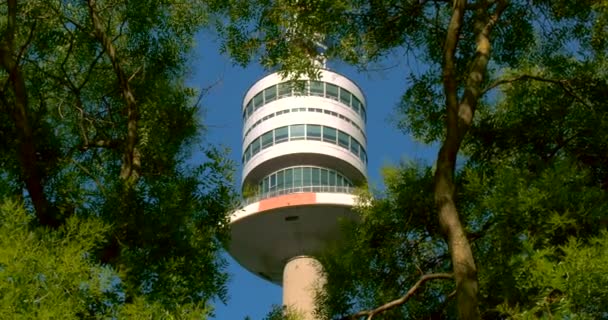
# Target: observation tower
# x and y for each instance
(304, 152)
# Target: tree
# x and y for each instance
(97, 124)
(456, 40)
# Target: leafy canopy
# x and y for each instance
(99, 131)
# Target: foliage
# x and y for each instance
(387, 251)
(47, 275)
(97, 124)
(283, 313)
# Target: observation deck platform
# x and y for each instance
(276, 226)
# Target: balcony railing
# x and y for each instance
(283, 191)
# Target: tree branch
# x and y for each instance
(131, 160)
(524, 77)
(398, 302)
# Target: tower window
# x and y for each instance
(258, 100)
(270, 94)
(297, 177)
(284, 89)
(307, 176)
(313, 132)
(329, 135)
(331, 91)
(267, 140)
(343, 139)
(296, 132)
(249, 109)
(300, 88)
(289, 178)
(354, 146)
(345, 96)
(281, 134)
(255, 147)
(317, 88)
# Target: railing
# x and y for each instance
(279, 192)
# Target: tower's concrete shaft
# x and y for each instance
(302, 277)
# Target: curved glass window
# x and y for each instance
(258, 100)
(313, 132)
(296, 132)
(270, 94)
(267, 140)
(317, 88)
(281, 134)
(303, 179)
(284, 89)
(304, 88)
(318, 110)
(332, 91)
(305, 132)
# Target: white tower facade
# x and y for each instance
(304, 152)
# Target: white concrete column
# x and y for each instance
(302, 276)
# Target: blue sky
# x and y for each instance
(250, 295)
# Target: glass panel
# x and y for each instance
(354, 146)
(289, 178)
(316, 88)
(249, 109)
(362, 154)
(258, 100)
(247, 153)
(332, 178)
(316, 177)
(307, 176)
(270, 94)
(329, 134)
(284, 89)
(313, 132)
(356, 103)
(340, 181)
(345, 96)
(331, 91)
(297, 177)
(265, 185)
(273, 182)
(343, 139)
(324, 177)
(296, 132)
(280, 180)
(300, 88)
(281, 134)
(255, 146)
(267, 140)
(364, 115)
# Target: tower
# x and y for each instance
(304, 151)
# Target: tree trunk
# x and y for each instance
(458, 121)
(31, 173)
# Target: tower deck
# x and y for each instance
(268, 233)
